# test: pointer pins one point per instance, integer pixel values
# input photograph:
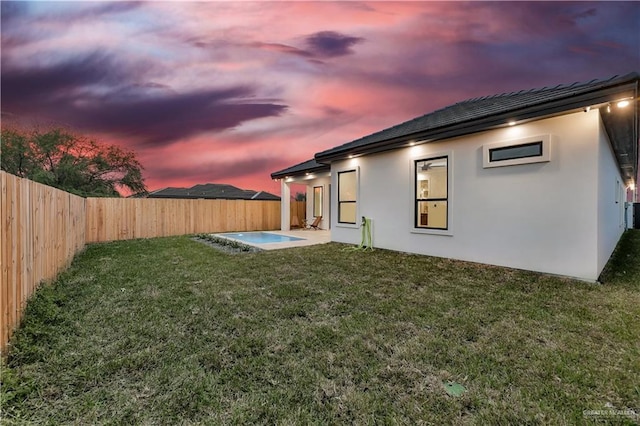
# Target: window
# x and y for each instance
(432, 193)
(347, 187)
(524, 151)
(317, 201)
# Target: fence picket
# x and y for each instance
(42, 228)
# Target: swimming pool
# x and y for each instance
(259, 237)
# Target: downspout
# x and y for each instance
(634, 194)
(636, 177)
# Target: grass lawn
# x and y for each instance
(171, 331)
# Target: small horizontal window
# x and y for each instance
(516, 151)
(535, 149)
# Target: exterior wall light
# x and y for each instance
(512, 123)
(622, 103)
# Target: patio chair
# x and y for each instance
(315, 223)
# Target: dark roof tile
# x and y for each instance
(308, 166)
(476, 109)
(213, 191)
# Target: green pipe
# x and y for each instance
(366, 234)
(367, 241)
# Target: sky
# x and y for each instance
(229, 92)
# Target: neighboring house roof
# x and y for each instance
(262, 195)
(212, 191)
(310, 166)
(487, 112)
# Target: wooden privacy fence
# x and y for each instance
(110, 219)
(298, 209)
(41, 229)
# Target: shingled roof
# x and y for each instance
(487, 112)
(212, 191)
(310, 166)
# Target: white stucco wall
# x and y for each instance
(542, 217)
(611, 200)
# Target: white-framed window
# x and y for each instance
(347, 196)
(534, 149)
(431, 192)
(318, 199)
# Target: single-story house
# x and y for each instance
(212, 191)
(535, 180)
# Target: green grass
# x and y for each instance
(171, 331)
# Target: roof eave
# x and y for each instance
(539, 111)
(283, 174)
(622, 129)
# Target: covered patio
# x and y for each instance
(316, 178)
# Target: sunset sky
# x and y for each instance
(228, 92)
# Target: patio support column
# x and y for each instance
(285, 206)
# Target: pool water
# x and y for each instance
(260, 237)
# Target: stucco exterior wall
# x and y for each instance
(540, 217)
(611, 200)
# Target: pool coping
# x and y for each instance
(309, 237)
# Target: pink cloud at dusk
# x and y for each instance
(228, 92)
